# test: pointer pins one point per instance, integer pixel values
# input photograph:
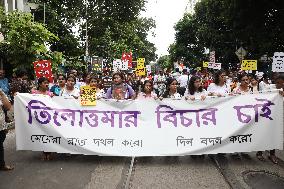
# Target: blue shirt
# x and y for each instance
(4, 85)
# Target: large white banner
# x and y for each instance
(241, 123)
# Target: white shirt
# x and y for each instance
(213, 88)
(75, 92)
(266, 87)
(183, 79)
(176, 75)
(197, 95)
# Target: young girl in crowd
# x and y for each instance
(94, 82)
(195, 89)
(171, 89)
(61, 80)
(69, 89)
(147, 90)
(119, 89)
(254, 86)
(43, 86)
(219, 87)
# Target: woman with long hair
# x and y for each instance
(94, 82)
(172, 89)
(42, 88)
(147, 90)
(244, 87)
(219, 87)
(70, 89)
(119, 89)
(254, 85)
(195, 89)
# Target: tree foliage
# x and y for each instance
(226, 25)
(24, 38)
(112, 27)
(164, 62)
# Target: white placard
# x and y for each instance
(124, 65)
(278, 62)
(116, 65)
(217, 66)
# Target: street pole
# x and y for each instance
(87, 50)
(44, 13)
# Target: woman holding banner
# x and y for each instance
(94, 82)
(43, 89)
(244, 87)
(147, 91)
(195, 89)
(219, 87)
(171, 90)
(70, 89)
(279, 83)
(119, 89)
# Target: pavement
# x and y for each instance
(95, 172)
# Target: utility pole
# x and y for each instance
(44, 13)
(87, 50)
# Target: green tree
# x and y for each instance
(24, 38)
(164, 62)
(226, 25)
(61, 17)
(113, 27)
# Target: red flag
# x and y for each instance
(43, 69)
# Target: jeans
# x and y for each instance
(2, 139)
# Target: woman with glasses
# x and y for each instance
(219, 87)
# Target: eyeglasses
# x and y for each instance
(244, 79)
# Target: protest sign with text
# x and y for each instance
(150, 127)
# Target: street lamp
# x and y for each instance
(34, 6)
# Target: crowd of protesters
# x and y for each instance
(197, 85)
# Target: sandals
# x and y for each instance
(260, 156)
(6, 168)
(273, 159)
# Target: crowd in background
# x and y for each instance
(197, 85)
